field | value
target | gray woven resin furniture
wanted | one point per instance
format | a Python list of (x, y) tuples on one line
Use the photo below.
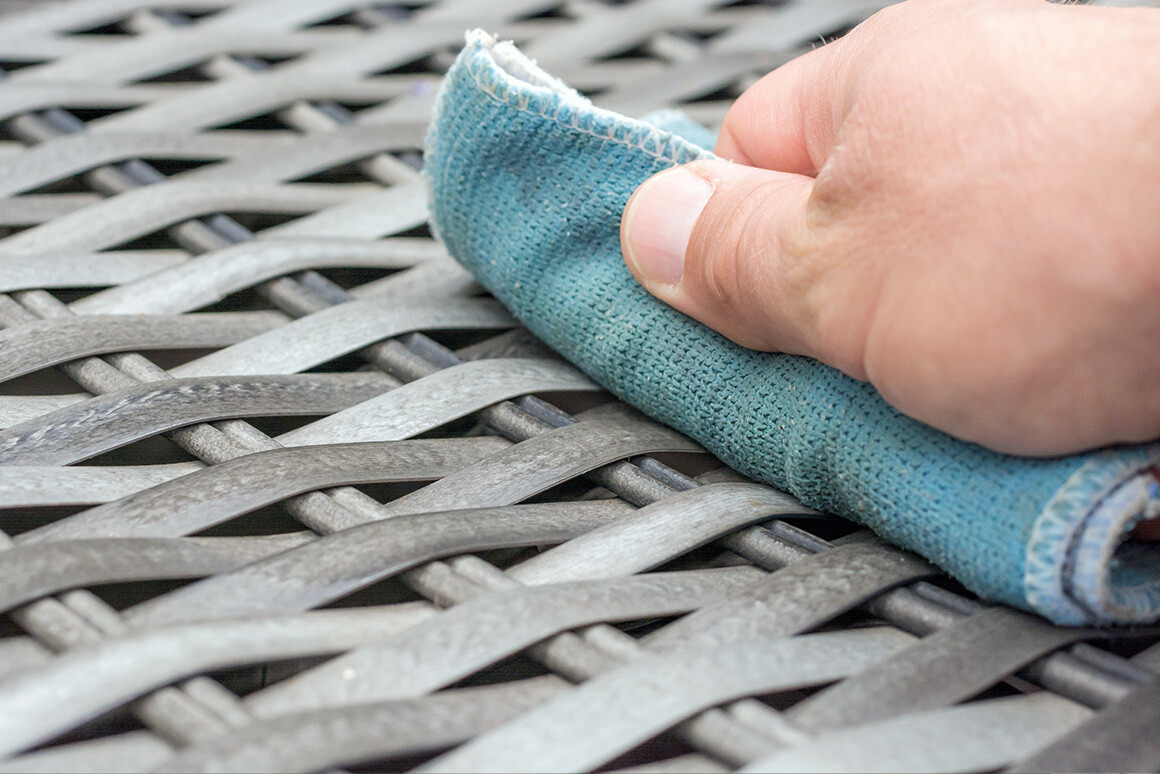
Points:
[(282, 490)]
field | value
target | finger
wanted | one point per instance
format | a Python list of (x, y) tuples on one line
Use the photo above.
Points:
[(723, 243), (787, 121)]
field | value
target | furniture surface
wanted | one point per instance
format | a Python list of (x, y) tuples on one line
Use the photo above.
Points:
[(281, 489)]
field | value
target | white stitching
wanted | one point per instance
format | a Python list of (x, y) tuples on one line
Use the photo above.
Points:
[(535, 105)]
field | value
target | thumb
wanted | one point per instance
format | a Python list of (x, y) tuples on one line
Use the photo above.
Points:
[(732, 247)]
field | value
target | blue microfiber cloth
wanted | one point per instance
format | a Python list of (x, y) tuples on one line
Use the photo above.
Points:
[(528, 180)]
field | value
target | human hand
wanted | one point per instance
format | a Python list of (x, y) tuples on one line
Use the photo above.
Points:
[(958, 201)]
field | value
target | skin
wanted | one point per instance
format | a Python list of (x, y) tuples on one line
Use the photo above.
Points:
[(958, 201)]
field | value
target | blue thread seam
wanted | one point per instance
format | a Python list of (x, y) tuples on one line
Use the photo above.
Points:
[(1068, 566), (1048, 585)]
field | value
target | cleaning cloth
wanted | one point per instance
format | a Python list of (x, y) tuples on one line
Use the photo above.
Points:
[(528, 181)]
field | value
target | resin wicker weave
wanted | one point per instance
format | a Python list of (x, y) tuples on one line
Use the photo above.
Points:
[(283, 491)]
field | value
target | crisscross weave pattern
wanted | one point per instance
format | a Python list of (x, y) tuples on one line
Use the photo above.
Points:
[(283, 490)]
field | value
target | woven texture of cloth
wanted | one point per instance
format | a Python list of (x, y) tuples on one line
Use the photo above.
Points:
[(528, 182)]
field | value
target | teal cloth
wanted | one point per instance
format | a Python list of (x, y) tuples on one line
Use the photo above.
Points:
[(528, 181)]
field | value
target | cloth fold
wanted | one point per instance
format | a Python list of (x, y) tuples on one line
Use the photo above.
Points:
[(527, 182)]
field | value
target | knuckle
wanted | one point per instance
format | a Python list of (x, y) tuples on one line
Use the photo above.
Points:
[(830, 265), (719, 283), (838, 185), (728, 249)]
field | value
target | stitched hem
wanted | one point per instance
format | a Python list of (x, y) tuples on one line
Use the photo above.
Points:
[(1073, 573), (505, 74)]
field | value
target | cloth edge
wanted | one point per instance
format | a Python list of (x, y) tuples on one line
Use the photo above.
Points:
[(1068, 574)]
